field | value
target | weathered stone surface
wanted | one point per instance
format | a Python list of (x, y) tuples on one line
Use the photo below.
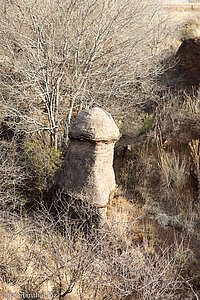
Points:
[(94, 124), (188, 56), (87, 171)]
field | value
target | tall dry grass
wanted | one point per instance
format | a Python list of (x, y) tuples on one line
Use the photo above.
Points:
[(36, 258)]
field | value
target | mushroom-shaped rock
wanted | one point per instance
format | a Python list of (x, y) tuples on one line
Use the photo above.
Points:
[(87, 171), (94, 124)]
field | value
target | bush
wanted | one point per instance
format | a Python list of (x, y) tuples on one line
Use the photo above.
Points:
[(41, 161), (12, 175), (37, 258)]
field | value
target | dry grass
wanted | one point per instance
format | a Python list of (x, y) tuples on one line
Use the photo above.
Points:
[(181, 7), (12, 175), (144, 250), (184, 18), (159, 171), (37, 259)]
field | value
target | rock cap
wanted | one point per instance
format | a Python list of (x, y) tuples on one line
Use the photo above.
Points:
[(94, 124)]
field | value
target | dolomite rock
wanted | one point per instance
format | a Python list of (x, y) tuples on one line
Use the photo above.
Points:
[(87, 171)]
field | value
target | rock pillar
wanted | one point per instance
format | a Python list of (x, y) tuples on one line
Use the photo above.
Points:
[(87, 171)]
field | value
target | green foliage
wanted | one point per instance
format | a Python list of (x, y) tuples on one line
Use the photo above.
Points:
[(137, 122), (42, 159), (119, 123), (147, 122)]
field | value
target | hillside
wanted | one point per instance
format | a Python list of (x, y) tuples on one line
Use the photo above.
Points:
[(181, 6), (65, 232)]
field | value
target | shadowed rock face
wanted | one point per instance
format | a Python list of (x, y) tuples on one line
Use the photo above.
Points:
[(87, 171), (188, 55)]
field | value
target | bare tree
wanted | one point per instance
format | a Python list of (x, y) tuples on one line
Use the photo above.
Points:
[(59, 57)]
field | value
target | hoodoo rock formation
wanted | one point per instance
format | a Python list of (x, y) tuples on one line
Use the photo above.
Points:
[(87, 171)]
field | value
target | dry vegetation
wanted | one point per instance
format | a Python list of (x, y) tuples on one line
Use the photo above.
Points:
[(191, 6), (56, 59)]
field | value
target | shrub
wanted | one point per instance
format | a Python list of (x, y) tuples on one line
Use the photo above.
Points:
[(39, 259), (41, 161), (12, 175)]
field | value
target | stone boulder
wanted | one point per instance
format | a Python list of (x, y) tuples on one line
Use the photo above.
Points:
[(87, 171), (188, 56)]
